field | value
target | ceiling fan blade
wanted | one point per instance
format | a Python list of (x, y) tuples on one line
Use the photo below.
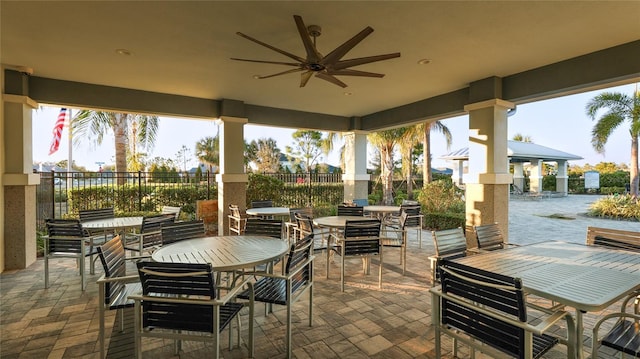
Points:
[(312, 54), (281, 73), (295, 57), (331, 79), (304, 78), (348, 72), (340, 65), (269, 62), (342, 50)]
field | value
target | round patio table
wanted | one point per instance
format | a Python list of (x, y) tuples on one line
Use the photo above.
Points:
[(113, 223), (268, 211), (225, 253), (381, 211)]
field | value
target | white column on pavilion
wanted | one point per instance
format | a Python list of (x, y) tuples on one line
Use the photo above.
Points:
[(562, 178), (355, 177), (488, 178), (518, 175), (535, 176), (232, 180)]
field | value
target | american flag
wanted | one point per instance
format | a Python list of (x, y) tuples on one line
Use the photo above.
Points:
[(57, 131)]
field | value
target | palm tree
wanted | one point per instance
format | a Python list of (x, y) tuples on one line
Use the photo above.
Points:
[(385, 142), (208, 151), (426, 144), (521, 138), (410, 138), (142, 129), (620, 108)]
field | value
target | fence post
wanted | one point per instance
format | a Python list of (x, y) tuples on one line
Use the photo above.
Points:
[(139, 191), (53, 195), (208, 185)]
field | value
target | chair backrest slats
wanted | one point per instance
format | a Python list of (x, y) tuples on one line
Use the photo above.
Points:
[(350, 210), (178, 231), (153, 223), (487, 290), (65, 235), (299, 253), (263, 227), (613, 238), (261, 204), (163, 280), (305, 224), (306, 211), (362, 228), (489, 236), (112, 256), (449, 242), (91, 214)]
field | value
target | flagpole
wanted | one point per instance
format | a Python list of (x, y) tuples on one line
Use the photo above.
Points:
[(70, 151)]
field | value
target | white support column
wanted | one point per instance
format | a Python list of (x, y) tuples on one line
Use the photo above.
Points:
[(355, 178), (535, 177), (562, 178), (518, 175), (488, 178), (232, 180), (18, 183)]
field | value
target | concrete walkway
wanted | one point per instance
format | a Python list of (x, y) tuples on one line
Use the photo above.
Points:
[(529, 220)]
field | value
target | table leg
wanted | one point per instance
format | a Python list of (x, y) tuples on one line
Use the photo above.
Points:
[(579, 331)]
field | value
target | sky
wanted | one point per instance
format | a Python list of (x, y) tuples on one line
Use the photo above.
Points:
[(559, 123)]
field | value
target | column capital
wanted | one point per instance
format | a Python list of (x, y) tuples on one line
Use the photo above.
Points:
[(356, 132), (234, 119), (235, 177), (496, 102), (25, 100)]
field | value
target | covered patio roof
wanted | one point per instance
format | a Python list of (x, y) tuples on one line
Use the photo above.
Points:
[(519, 151)]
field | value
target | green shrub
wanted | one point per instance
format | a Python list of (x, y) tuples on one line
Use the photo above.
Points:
[(616, 206), (612, 190), (440, 221), (264, 188), (441, 196)]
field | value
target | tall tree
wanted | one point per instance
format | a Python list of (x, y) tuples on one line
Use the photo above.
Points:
[(426, 144), (266, 155), (620, 108), (95, 125), (307, 147), (208, 151), (385, 142), (183, 158)]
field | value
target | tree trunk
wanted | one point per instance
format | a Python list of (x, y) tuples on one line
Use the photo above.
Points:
[(410, 175), (120, 137), (426, 146), (386, 166), (633, 172)]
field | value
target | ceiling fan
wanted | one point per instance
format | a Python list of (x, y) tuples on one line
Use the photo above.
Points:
[(324, 67)]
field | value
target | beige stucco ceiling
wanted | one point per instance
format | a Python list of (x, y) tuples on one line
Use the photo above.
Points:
[(184, 48)]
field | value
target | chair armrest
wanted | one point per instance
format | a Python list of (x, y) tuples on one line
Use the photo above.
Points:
[(281, 276), (233, 292), (125, 279)]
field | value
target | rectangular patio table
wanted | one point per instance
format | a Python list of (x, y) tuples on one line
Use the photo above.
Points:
[(586, 278)]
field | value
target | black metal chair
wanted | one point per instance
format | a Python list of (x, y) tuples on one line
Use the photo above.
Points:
[(291, 226), (286, 289), (414, 219), (179, 231), (305, 228), (448, 243), (624, 335), (263, 227), (488, 312), (489, 237), (179, 301), (350, 210), (262, 203), (67, 239), (150, 236), (360, 238), (92, 214), (115, 286), (400, 239)]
